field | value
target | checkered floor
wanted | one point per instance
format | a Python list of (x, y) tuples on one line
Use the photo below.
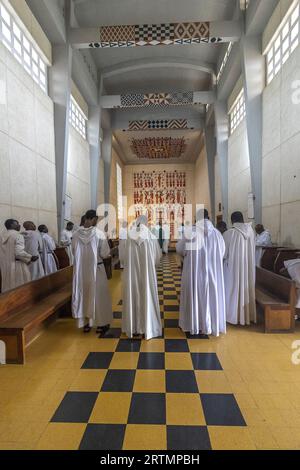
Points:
[(149, 394)]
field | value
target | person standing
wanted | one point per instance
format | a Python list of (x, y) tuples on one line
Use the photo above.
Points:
[(239, 272), (48, 254), (202, 302), (66, 240), (14, 260), (141, 309), (34, 246), (91, 300), (263, 239)]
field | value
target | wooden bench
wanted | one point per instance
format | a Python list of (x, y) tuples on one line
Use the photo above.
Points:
[(268, 258), (284, 254), (26, 311), (276, 296)]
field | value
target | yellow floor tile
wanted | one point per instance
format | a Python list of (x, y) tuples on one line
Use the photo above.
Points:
[(178, 361), (184, 409), (287, 438), (104, 345), (150, 437), (171, 302), (61, 436), (230, 438), (198, 345), (174, 333), (124, 360), (155, 345), (111, 408), (150, 381), (212, 382), (88, 381), (262, 437), (171, 315)]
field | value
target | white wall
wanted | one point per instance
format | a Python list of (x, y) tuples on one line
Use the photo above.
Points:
[(78, 177), (239, 179), (27, 155), (281, 155)]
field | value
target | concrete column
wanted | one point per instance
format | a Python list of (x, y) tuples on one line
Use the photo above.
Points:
[(253, 67), (210, 145), (222, 132), (60, 92)]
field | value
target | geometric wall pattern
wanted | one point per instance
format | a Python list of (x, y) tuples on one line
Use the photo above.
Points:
[(154, 35), (158, 147), (136, 100), (158, 124)]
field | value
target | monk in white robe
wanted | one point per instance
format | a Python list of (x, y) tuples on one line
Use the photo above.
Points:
[(263, 239), (141, 310), (202, 302), (48, 255), (293, 268), (34, 246), (66, 240), (239, 272), (91, 303), (14, 260)]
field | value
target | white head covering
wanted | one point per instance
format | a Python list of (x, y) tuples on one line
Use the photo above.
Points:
[(142, 220)]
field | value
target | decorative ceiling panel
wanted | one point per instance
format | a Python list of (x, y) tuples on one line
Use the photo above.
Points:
[(158, 147), (155, 35)]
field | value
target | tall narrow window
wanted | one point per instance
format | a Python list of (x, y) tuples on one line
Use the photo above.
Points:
[(77, 118), (237, 113), (284, 42), (119, 192), (21, 46)]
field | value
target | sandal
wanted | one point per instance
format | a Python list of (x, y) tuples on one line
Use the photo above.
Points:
[(87, 329)]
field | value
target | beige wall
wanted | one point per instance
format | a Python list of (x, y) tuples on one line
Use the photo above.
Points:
[(27, 153), (78, 177)]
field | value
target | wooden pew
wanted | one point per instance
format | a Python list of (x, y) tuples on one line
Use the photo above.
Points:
[(284, 254), (27, 310), (268, 258), (62, 257), (276, 296)]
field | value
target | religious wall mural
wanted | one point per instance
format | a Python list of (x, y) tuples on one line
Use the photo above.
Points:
[(163, 194)]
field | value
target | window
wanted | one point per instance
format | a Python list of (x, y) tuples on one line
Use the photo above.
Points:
[(238, 112), (224, 61), (284, 42), (119, 192), (78, 118), (22, 48)]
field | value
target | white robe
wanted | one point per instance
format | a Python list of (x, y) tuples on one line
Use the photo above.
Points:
[(48, 254), (14, 260), (293, 267), (264, 239), (34, 246), (202, 302), (91, 297), (166, 238), (141, 309), (122, 245), (239, 274), (66, 241)]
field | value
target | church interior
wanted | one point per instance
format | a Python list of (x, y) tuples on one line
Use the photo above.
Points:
[(125, 107)]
